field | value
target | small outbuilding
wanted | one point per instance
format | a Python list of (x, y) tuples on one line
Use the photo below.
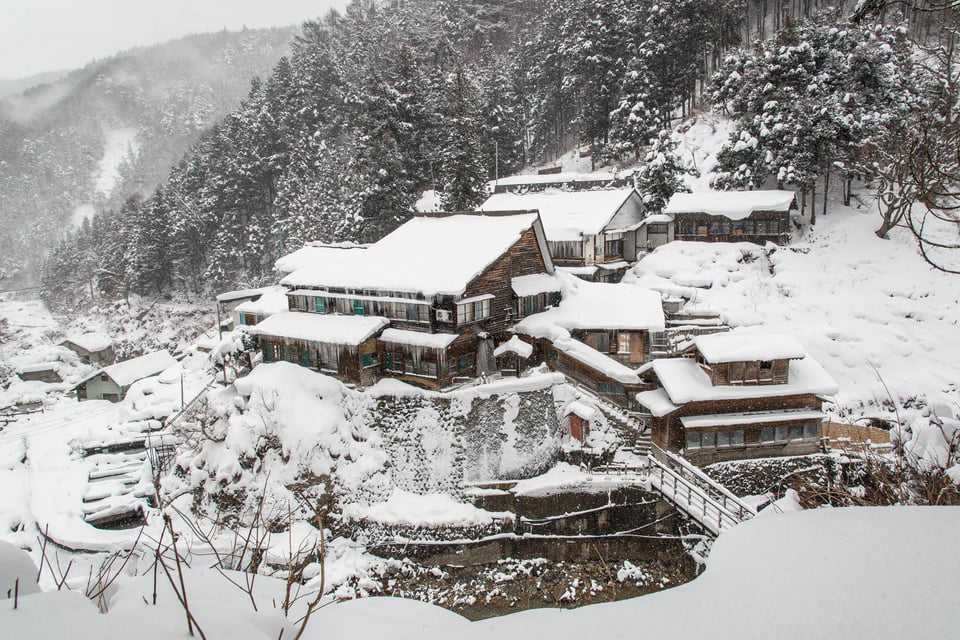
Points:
[(112, 382), (40, 372), (93, 348), (579, 416)]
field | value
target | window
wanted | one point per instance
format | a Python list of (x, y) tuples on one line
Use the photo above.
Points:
[(551, 354), (796, 432), (465, 362), (413, 312), (610, 388), (473, 311), (714, 439), (603, 342), (702, 230), (393, 362), (366, 360), (358, 308), (708, 439), (328, 357), (104, 377), (623, 342), (319, 305), (781, 434), (531, 305), (287, 353), (304, 357), (613, 247), (657, 228), (766, 435), (811, 431), (297, 303), (693, 440)]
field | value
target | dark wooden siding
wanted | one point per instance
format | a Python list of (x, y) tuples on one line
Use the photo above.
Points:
[(349, 365), (668, 432), (751, 372), (522, 259), (776, 225)]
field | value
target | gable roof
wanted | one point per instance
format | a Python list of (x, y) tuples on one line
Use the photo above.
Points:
[(566, 215), (127, 372), (429, 255), (92, 342), (735, 205), (598, 305)]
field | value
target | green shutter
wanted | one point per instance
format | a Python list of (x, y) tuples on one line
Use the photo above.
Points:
[(358, 307), (304, 357), (267, 352), (366, 360), (388, 361), (319, 305)]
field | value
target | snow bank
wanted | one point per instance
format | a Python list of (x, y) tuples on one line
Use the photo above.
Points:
[(431, 510)]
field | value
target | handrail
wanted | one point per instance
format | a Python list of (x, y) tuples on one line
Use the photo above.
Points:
[(169, 421)]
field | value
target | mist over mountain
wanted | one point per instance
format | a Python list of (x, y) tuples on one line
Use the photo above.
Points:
[(85, 140)]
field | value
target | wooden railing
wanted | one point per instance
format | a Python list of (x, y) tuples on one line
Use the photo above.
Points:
[(695, 493)]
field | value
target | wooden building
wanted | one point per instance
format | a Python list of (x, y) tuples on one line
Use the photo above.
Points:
[(92, 348), (343, 346), (741, 395), (583, 228), (566, 181), (443, 283), (40, 372), (732, 216), (112, 382)]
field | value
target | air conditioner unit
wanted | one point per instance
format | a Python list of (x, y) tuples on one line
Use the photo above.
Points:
[(443, 315)]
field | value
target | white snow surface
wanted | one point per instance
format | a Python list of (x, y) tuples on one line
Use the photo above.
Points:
[(149, 364), (550, 178), (314, 253), (427, 255), (418, 338), (514, 345), (580, 409), (684, 381), (535, 283), (119, 143), (319, 327), (92, 342), (734, 346), (597, 305), (566, 215), (428, 510), (272, 300), (735, 205)]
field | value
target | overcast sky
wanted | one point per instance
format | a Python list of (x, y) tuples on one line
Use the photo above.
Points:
[(47, 35)]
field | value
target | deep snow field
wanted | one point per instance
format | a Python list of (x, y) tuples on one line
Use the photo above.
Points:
[(880, 320)]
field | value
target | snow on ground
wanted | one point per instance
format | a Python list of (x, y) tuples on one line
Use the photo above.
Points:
[(119, 142), (887, 568), (871, 311)]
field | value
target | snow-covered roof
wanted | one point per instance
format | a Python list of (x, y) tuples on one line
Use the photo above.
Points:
[(92, 342), (735, 205), (736, 346), (428, 255), (129, 371), (551, 178), (272, 300), (599, 305), (418, 338), (239, 294), (747, 418), (657, 402), (535, 284), (314, 252), (515, 345), (566, 215), (684, 381), (316, 327), (601, 362), (580, 409), (38, 367)]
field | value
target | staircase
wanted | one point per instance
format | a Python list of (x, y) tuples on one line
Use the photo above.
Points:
[(630, 426)]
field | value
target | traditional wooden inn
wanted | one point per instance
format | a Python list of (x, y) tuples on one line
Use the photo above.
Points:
[(426, 304), (732, 216), (740, 395), (598, 335), (567, 181), (112, 383), (591, 231)]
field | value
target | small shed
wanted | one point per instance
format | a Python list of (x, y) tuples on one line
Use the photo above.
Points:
[(93, 348), (112, 383), (579, 416), (40, 372), (512, 355)]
